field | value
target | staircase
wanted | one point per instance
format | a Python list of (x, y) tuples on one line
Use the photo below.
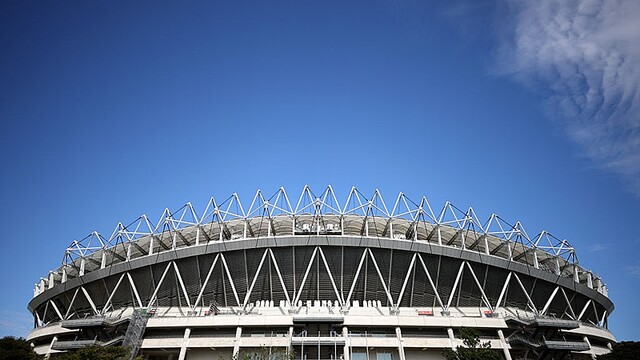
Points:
[(135, 331)]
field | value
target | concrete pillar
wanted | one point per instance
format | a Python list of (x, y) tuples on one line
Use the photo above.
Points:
[(452, 338), (347, 343), (236, 345), (400, 345), (290, 340), (505, 346), (185, 344)]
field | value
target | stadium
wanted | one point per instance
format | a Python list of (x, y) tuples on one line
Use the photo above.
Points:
[(310, 277)]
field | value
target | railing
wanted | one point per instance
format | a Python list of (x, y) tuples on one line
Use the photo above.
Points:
[(164, 336), (259, 334), (216, 335), (418, 335), (373, 335), (319, 334)]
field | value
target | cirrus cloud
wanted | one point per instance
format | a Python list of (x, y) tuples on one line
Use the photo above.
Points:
[(584, 56)]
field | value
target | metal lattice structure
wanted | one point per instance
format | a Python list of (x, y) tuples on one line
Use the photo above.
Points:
[(278, 253)]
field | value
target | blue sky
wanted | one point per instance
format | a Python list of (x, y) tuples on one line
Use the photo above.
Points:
[(526, 109)]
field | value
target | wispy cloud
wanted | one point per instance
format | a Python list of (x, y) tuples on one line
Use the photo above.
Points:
[(597, 247), (634, 270), (583, 55)]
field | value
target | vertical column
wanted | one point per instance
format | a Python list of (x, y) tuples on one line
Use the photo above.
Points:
[(486, 244), (400, 345), (244, 229), (347, 343), (452, 338), (289, 348), (185, 344), (505, 346), (236, 345), (51, 280)]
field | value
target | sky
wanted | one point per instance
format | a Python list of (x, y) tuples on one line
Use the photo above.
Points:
[(526, 109)]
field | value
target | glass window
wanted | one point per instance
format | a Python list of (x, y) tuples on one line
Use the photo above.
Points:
[(384, 356), (359, 356)]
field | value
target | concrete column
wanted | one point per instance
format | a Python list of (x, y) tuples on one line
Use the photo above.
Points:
[(452, 338), (185, 344), (236, 345), (400, 345), (347, 343), (505, 346), (51, 280), (290, 340)]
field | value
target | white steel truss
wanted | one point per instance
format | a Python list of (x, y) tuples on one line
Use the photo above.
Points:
[(269, 217), (321, 214)]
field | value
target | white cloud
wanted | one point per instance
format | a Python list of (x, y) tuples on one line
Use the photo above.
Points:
[(584, 55), (597, 247), (634, 270)]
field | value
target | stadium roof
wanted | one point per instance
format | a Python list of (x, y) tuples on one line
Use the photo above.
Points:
[(322, 214)]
